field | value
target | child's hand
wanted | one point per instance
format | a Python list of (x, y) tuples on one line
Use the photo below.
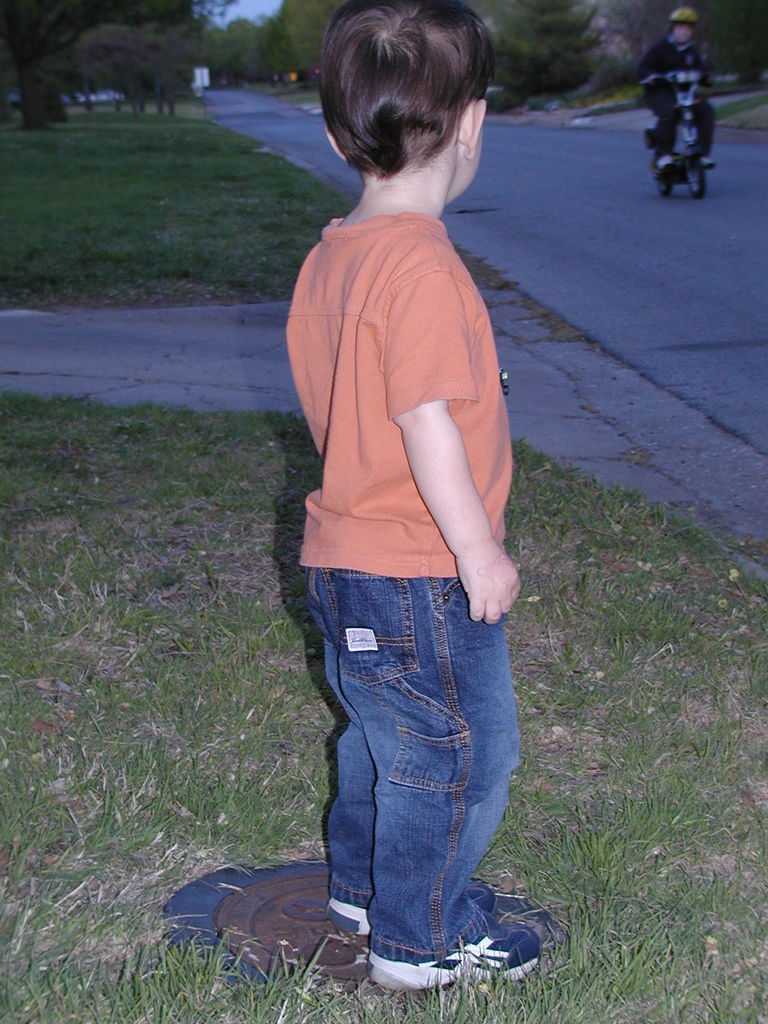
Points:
[(438, 461), (490, 579)]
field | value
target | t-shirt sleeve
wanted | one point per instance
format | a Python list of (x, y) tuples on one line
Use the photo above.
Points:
[(427, 349)]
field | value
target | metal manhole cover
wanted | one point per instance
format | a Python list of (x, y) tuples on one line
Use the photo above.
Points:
[(264, 919)]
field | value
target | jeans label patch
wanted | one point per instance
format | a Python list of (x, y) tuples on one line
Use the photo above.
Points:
[(361, 640)]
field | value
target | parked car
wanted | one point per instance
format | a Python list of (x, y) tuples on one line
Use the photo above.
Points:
[(100, 96)]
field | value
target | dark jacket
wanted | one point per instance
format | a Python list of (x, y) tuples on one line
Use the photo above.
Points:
[(666, 56)]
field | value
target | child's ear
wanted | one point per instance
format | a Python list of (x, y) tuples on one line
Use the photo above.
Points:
[(334, 145), (470, 127)]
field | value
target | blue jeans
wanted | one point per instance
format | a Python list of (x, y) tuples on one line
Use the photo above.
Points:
[(425, 760)]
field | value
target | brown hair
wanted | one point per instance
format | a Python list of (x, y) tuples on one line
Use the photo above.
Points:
[(396, 76)]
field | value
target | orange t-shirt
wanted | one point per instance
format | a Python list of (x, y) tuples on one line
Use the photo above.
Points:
[(384, 318)]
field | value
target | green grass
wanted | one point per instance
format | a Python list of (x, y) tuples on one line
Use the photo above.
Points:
[(740, 113), (105, 210), (747, 113), (299, 94), (163, 713)]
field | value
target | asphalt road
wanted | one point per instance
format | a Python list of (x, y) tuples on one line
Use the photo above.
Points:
[(675, 288)]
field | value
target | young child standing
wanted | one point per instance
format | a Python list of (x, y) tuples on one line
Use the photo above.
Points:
[(395, 365)]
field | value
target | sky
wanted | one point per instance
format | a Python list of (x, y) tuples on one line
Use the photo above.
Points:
[(252, 9)]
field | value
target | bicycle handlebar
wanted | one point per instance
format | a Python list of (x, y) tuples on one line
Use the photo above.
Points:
[(675, 77)]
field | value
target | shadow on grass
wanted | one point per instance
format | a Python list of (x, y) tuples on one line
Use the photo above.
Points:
[(303, 471)]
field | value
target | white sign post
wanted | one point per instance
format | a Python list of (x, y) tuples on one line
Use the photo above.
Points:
[(201, 81)]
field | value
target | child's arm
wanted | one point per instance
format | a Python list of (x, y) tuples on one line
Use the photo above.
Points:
[(438, 461)]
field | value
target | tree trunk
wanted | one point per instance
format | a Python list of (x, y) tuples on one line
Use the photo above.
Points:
[(169, 90), (751, 76), (87, 98), (33, 112), (159, 94)]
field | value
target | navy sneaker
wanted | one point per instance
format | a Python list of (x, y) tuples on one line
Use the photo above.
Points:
[(511, 950), (354, 919), (348, 917)]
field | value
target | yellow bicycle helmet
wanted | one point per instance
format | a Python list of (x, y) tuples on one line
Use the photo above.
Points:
[(683, 16)]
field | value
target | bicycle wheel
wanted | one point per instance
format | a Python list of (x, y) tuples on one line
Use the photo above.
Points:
[(697, 181)]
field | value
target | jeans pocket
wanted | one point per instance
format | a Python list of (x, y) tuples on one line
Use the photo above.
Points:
[(439, 764), (433, 750), (375, 626)]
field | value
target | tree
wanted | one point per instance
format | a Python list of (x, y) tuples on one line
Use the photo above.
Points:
[(118, 56), (493, 12), (305, 22), (6, 80), (35, 30), (135, 60), (170, 51), (544, 46), (740, 32), (279, 52), (235, 53)]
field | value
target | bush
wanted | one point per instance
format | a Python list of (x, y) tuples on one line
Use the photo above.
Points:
[(498, 101), (544, 46), (613, 72)]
